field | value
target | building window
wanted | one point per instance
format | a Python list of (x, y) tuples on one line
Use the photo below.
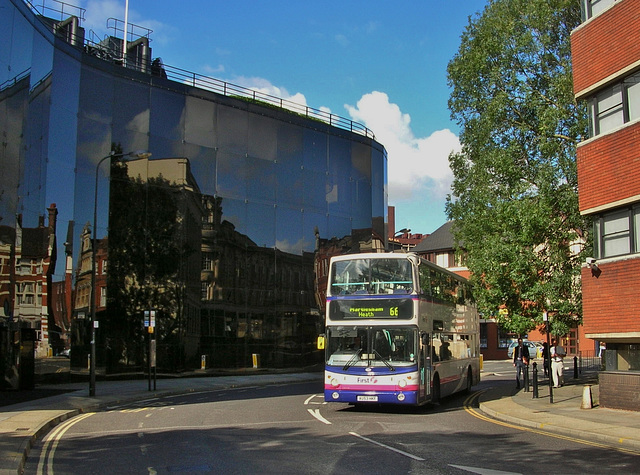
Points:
[(25, 267), (207, 261), (616, 232), (442, 259), (204, 291), (103, 296), (25, 293), (606, 111), (591, 8), (615, 105)]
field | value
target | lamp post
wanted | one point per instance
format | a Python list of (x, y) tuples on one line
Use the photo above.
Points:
[(92, 360), (545, 318)]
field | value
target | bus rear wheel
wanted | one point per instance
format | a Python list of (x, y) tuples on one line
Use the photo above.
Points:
[(435, 392), (469, 380)]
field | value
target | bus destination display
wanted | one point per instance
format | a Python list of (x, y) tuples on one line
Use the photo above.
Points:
[(402, 309)]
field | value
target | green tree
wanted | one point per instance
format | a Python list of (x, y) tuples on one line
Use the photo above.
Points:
[(514, 197)]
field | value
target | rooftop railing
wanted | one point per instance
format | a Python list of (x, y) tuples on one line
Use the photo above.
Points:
[(229, 89), (110, 49)]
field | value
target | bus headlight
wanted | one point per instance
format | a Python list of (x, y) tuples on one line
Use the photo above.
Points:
[(335, 395), (402, 383), (401, 397), (335, 383)]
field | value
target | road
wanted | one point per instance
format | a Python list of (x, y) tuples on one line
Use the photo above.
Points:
[(289, 429)]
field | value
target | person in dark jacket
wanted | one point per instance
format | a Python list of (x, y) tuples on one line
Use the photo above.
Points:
[(545, 359), (520, 360)]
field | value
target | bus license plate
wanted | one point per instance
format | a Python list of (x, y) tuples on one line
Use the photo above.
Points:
[(367, 398)]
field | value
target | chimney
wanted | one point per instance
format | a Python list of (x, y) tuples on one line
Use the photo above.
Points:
[(53, 218)]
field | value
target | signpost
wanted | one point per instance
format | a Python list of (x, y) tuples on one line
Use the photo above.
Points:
[(150, 325)]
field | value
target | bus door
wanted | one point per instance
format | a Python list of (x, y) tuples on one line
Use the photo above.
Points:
[(424, 363)]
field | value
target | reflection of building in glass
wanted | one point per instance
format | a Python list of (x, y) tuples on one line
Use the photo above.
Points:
[(222, 241), (260, 295), (154, 258), (35, 259), (62, 304)]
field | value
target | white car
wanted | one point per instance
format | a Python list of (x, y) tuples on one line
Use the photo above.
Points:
[(535, 349)]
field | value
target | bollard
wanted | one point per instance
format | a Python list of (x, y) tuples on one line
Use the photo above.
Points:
[(525, 376), (535, 380), (587, 402), (575, 367)]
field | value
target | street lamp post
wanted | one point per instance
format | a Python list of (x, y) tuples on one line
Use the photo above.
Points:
[(92, 360), (545, 318)]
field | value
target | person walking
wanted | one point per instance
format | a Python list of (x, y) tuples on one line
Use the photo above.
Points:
[(520, 360), (545, 358), (557, 363)]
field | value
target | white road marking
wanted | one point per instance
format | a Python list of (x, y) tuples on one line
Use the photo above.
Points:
[(406, 454), (483, 471), (316, 413)]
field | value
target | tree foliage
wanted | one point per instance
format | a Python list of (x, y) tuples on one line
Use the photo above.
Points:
[(514, 196)]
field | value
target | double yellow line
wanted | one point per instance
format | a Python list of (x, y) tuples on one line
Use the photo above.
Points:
[(50, 443), (472, 399)]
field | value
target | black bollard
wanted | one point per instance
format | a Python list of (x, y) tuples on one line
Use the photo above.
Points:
[(575, 367), (526, 378), (535, 380)]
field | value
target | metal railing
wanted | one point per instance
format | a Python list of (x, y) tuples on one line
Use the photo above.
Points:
[(233, 90), (107, 49), (62, 9), (15, 80)]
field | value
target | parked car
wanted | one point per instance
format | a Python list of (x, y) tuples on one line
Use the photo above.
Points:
[(535, 348), (66, 353)]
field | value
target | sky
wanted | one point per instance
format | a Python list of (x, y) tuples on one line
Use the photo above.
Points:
[(378, 62)]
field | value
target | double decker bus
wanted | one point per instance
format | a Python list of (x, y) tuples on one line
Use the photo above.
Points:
[(399, 330)]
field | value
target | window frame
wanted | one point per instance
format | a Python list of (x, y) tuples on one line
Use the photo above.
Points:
[(597, 116), (586, 7), (631, 233)]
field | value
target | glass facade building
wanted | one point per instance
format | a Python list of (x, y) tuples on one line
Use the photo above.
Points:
[(217, 234)]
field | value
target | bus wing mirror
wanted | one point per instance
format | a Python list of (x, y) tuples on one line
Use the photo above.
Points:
[(320, 342)]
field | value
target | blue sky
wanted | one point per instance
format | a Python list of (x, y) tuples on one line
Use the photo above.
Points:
[(377, 62)]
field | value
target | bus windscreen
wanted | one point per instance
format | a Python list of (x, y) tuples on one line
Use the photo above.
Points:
[(371, 277)]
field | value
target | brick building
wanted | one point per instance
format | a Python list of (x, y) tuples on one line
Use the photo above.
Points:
[(606, 73)]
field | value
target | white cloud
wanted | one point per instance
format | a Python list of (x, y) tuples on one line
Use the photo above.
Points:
[(98, 11), (264, 86), (296, 102), (341, 39), (418, 166), (213, 70)]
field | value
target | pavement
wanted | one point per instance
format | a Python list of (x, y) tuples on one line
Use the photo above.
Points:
[(23, 423), (574, 412)]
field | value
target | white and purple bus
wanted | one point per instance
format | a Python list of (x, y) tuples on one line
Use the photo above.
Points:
[(399, 330)]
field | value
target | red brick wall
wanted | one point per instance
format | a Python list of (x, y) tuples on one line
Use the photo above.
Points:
[(610, 301), (609, 168), (606, 44)]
